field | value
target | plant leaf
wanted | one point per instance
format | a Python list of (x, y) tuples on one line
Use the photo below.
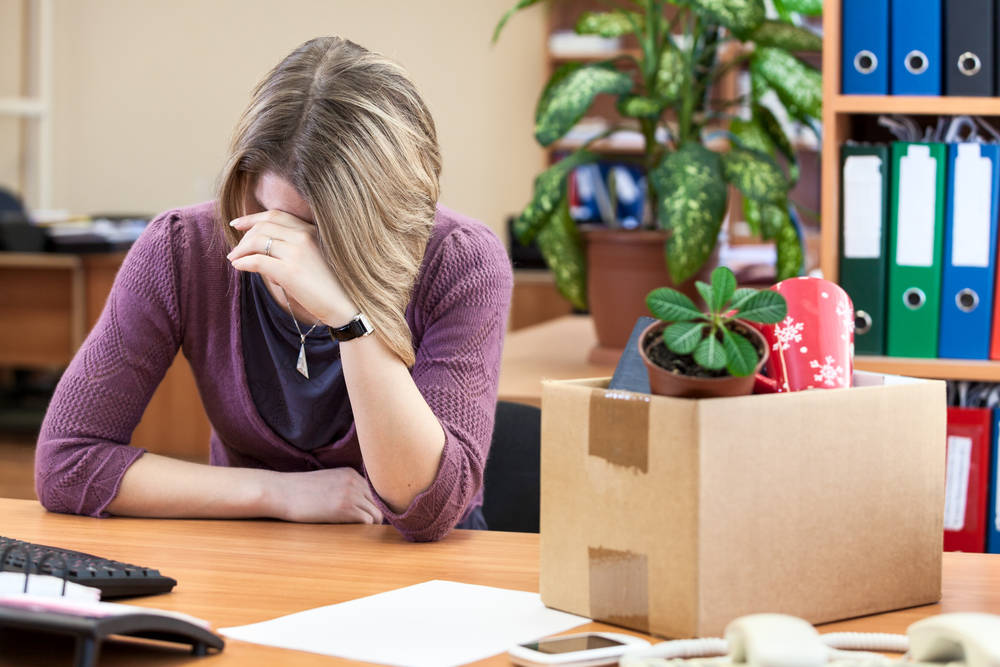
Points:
[(683, 337), (723, 287), (752, 135), (789, 251), (670, 305), (755, 174), (523, 4), (806, 7), (764, 307), (772, 218), (766, 119), (710, 354), (670, 76), (692, 197), (740, 297), (751, 211), (705, 290), (550, 188), (786, 36), (798, 85), (741, 355), (740, 16), (566, 100), (637, 106), (561, 246), (609, 24)]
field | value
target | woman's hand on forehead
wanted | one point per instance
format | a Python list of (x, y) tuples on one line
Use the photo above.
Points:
[(284, 249)]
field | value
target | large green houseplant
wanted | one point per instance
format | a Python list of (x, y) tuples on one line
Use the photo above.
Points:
[(668, 85)]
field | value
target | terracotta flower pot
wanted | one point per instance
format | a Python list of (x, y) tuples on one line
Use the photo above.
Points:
[(668, 383), (623, 266)]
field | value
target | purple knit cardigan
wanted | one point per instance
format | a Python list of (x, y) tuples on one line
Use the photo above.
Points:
[(175, 290)]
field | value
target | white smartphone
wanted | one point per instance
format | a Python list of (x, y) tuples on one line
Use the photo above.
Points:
[(587, 649)]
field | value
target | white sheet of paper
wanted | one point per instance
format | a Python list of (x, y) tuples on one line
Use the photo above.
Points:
[(433, 624), (916, 210)]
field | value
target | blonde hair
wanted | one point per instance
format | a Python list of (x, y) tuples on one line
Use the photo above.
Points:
[(347, 128)]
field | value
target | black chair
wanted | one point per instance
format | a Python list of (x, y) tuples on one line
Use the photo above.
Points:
[(511, 479)]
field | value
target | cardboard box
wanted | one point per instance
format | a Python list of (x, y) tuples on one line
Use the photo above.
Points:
[(676, 516)]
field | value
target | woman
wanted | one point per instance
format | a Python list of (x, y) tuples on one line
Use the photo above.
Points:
[(326, 227)]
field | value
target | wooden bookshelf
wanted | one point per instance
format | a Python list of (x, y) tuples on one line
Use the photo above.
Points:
[(837, 112)]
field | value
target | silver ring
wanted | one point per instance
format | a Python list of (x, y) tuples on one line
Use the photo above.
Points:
[(267, 246)]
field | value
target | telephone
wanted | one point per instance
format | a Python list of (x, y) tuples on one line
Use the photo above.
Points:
[(776, 640)]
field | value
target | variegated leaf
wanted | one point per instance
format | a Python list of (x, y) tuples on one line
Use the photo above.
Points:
[(561, 246), (751, 135), (691, 203), (763, 116), (755, 174), (789, 248), (740, 16), (799, 86), (564, 102), (550, 189), (638, 106), (786, 36), (670, 76), (609, 24), (752, 215), (523, 4), (806, 7), (772, 218), (741, 355)]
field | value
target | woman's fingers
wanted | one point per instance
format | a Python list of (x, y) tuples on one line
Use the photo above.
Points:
[(274, 217)]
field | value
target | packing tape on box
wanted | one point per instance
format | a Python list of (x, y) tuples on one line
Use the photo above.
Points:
[(619, 588), (619, 428), (619, 580)]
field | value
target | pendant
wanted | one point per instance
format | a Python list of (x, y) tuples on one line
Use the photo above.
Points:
[(301, 366)]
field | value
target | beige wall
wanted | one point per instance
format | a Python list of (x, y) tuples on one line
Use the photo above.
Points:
[(148, 91)]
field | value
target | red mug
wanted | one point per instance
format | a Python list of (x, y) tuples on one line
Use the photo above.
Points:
[(813, 347)]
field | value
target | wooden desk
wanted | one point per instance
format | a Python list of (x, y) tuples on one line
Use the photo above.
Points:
[(238, 572), (50, 301), (553, 350)]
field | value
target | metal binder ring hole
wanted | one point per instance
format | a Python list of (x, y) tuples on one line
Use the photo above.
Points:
[(914, 297), (862, 322), (916, 62), (969, 64), (967, 300), (865, 62)]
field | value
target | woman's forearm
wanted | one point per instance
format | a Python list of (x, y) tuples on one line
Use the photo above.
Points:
[(157, 486), (401, 439)]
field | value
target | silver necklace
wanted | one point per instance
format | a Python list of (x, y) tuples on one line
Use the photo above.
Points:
[(301, 366)]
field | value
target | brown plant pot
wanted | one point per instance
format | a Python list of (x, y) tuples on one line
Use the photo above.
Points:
[(668, 383), (623, 266)]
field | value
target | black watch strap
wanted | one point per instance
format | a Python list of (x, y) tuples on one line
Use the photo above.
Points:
[(356, 328)]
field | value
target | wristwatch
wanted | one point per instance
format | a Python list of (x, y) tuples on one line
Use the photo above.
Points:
[(356, 328)]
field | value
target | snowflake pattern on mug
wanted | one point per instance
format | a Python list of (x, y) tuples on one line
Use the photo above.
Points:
[(846, 315), (786, 333), (827, 372)]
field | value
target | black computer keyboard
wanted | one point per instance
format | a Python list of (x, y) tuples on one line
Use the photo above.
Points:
[(115, 579)]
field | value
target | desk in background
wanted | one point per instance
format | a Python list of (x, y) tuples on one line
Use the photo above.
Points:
[(553, 350), (50, 301), (238, 572)]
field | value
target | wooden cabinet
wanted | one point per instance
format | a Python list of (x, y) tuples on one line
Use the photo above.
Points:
[(838, 111), (50, 301)]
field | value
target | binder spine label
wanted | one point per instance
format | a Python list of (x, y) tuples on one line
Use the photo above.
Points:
[(972, 203), (863, 207), (916, 211), (957, 485)]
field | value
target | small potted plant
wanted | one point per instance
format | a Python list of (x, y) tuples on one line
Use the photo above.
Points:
[(696, 354)]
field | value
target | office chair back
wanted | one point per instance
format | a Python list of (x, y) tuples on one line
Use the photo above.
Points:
[(511, 484)]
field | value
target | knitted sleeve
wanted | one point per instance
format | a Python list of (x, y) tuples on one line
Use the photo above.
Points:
[(83, 449), (464, 298)]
